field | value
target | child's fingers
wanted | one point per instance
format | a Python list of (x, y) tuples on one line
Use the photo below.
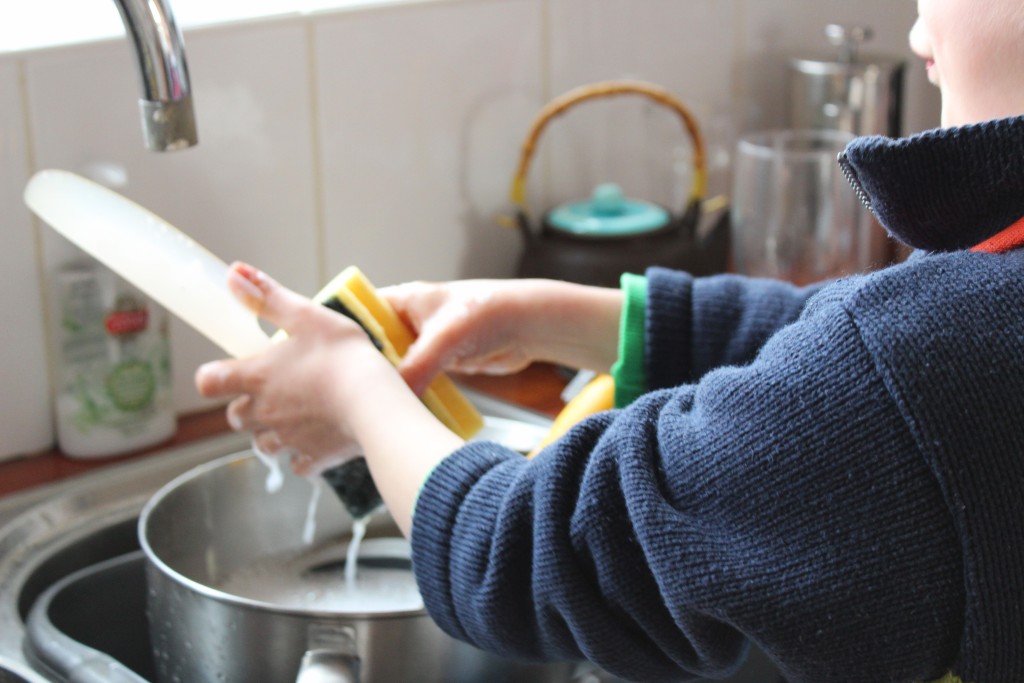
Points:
[(238, 414), (266, 297), (439, 344), (221, 378), (269, 442), (417, 370), (408, 298)]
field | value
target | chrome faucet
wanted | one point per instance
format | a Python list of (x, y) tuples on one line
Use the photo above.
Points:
[(168, 121)]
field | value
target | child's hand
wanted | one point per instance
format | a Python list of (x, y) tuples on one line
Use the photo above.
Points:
[(471, 326), (294, 396), (501, 326)]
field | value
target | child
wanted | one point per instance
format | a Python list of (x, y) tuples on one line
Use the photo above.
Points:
[(835, 473)]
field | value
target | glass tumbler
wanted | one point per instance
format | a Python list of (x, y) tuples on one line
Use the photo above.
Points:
[(794, 215)]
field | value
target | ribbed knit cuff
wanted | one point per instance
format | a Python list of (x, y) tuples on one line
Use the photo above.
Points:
[(437, 509), (629, 371)]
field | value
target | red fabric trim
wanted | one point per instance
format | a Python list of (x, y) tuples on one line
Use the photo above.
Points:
[(1006, 240)]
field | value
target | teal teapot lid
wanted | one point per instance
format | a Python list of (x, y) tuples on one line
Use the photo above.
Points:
[(608, 214)]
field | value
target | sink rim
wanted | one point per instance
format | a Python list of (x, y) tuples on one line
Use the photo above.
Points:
[(40, 522)]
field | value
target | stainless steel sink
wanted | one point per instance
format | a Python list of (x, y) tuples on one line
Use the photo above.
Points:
[(51, 534), (9, 674), (51, 531)]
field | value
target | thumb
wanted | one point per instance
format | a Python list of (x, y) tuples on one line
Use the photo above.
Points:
[(421, 364), (264, 296), (439, 346)]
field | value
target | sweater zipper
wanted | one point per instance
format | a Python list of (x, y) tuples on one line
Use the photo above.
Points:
[(851, 176)]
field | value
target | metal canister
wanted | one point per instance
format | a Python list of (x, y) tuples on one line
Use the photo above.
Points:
[(850, 90), (855, 92)]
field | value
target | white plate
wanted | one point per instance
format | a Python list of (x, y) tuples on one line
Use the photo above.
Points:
[(166, 264)]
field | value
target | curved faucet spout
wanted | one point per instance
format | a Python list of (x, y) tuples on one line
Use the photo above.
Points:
[(168, 120)]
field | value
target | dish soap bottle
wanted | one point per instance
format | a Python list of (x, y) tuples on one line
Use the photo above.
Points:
[(113, 380)]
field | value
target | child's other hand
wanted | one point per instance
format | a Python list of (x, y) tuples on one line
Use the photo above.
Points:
[(294, 396), (501, 326), (470, 326)]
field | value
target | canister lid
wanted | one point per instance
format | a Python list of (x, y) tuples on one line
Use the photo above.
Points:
[(608, 214)]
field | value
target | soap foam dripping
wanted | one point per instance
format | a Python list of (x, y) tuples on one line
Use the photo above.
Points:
[(275, 478), (352, 554), (309, 528)]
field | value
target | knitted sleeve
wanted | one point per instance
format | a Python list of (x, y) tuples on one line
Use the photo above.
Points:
[(782, 502), (697, 324)]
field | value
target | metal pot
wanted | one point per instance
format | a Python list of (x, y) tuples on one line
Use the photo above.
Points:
[(595, 241), (211, 522)]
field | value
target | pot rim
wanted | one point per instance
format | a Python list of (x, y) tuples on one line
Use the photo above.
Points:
[(229, 598)]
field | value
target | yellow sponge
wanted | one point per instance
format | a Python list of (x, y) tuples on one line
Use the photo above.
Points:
[(352, 294)]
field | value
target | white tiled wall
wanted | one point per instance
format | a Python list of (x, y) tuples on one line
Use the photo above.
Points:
[(420, 110), (25, 407), (387, 137)]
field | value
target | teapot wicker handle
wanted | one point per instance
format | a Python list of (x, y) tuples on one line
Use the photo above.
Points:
[(583, 93)]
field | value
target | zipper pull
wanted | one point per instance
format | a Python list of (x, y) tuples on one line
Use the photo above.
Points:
[(851, 177)]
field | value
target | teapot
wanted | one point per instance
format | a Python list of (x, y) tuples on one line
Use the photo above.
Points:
[(594, 241)]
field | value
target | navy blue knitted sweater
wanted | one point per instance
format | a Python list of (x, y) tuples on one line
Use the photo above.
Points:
[(835, 473)]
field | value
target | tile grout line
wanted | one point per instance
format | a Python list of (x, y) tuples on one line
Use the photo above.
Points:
[(547, 79), (31, 166), (739, 74), (316, 140)]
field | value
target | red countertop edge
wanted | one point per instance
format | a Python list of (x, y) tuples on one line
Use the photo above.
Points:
[(538, 388)]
